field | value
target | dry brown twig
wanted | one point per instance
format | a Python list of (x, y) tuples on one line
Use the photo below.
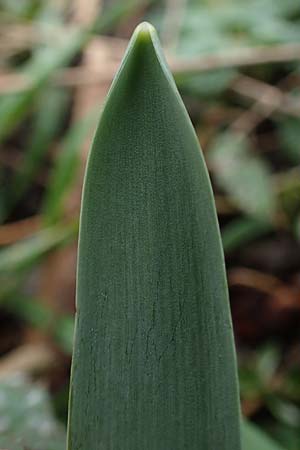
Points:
[(12, 232), (267, 100), (97, 62), (253, 279), (16, 37), (247, 56), (27, 359), (285, 295), (243, 57)]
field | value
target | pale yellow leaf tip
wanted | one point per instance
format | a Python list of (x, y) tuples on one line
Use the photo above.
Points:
[(144, 32)]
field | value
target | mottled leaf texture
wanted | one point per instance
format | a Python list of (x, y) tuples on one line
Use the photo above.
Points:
[(154, 362)]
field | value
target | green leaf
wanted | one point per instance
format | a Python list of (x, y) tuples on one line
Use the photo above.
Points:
[(297, 228), (154, 361), (40, 316), (48, 119), (241, 231), (47, 60), (205, 85), (235, 24), (284, 411), (289, 133), (13, 107), (23, 254), (255, 439), (267, 363), (288, 436), (27, 420), (66, 167), (244, 175)]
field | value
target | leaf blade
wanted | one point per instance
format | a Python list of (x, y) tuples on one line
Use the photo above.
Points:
[(154, 349)]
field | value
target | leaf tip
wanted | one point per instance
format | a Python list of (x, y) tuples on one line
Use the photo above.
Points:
[(144, 32)]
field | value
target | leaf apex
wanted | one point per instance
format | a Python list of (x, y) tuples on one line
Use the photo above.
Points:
[(144, 32)]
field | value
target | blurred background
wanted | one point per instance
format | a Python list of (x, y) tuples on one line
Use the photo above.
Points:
[(237, 66)]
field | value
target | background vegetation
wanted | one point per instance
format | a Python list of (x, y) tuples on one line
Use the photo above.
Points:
[(236, 63)]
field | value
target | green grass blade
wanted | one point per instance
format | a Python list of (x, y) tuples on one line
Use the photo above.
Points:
[(154, 362), (244, 175), (40, 316), (241, 231), (48, 120), (66, 167), (22, 255), (45, 62), (17, 259), (255, 439)]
